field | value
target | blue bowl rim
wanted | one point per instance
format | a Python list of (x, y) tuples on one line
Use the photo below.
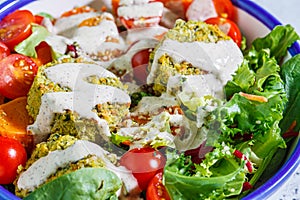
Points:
[(274, 183)]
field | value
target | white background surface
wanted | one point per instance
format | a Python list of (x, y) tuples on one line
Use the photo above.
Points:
[(287, 12)]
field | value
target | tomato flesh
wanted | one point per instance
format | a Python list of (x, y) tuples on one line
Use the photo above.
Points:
[(12, 154), (144, 164), (224, 8), (227, 26), (15, 27), (4, 51), (139, 63), (16, 75), (156, 190)]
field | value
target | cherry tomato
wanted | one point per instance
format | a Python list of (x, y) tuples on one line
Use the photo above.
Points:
[(115, 5), (229, 27), (224, 9), (144, 164), (16, 27), (139, 63), (16, 75), (4, 51), (156, 190), (186, 4), (12, 154)]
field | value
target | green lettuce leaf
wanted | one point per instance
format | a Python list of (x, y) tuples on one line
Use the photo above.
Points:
[(242, 116), (85, 183), (278, 41), (27, 46), (219, 176), (259, 75), (291, 75)]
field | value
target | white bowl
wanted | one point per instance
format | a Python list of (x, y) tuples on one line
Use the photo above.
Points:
[(253, 21)]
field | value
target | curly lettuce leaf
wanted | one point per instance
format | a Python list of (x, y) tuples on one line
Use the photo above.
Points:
[(290, 72), (259, 75), (218, 177), (278, 41), (241, 115)]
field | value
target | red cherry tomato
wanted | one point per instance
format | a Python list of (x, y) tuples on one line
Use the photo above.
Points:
[(144, 164), (4, 51), (186, 4), (15, 27), (139, 63), (224, 8), (115, 5), (16, 75), (12, 154), (229, 27), (156, 190)]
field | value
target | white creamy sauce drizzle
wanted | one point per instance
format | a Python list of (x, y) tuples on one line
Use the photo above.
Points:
[(41, 169), (201, 10), (124, 62), (90, 38), (132, 2), (58, 43), (72, 75), (156, 129), (196, 85), (137, 34), (141, 10), (67, 25), (81, 100), (221, 58), (151, 105)]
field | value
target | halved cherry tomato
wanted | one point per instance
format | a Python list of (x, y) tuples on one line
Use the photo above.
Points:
[(224, 9), (115, 5), (4, 51), (12, 154), (144, 164), (15, 27), (16, 75), (139, 63), (229, 27), (186, 4), (156, 190)]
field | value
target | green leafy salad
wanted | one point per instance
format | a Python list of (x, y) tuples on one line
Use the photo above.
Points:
[(248, 130), (99, 133)]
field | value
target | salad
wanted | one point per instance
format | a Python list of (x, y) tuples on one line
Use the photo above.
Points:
[(143, 100)]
